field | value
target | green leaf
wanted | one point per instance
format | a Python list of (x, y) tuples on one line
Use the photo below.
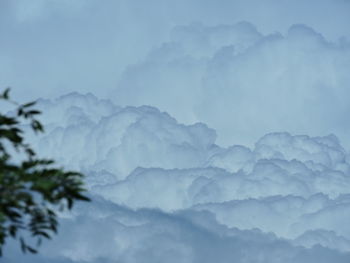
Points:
[(31, 250), (33, 112), (32, 190), (37, 126), (6, 93), (29, 104)]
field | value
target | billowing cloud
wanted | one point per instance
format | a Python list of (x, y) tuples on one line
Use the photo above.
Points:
[(95, 135), (246, 84), (170, 193)]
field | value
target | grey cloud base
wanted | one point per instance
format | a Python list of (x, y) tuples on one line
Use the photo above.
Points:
[(123, 235), (165, 192)]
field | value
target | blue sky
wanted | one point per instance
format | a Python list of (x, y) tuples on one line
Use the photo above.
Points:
[(208, 130)]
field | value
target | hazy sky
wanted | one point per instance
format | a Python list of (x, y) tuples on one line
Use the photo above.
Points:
[(209, 130), (55, 46)]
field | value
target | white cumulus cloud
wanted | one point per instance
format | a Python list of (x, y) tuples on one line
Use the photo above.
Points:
[(246, 84), (164, 191)]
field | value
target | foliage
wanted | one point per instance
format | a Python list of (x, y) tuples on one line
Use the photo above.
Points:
[(32, 191)]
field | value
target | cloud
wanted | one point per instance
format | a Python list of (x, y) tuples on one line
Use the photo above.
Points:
[(245, 84), (168, 187), (324, 238), (165, 187), (124, 235), (95, 135)]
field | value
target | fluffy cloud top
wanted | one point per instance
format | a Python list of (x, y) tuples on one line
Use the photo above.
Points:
[(246, 84), (95, 135)]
